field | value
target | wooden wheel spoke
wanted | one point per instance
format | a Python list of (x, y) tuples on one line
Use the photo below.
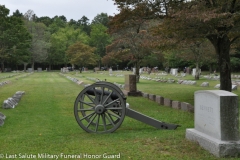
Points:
[(111, 102)]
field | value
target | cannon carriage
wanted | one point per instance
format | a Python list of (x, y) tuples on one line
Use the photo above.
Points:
[(101, 108)]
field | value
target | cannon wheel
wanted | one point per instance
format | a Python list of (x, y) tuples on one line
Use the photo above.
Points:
[(100, 108)]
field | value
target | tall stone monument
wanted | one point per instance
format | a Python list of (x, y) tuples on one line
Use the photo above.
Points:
[(216, 122), (130, 86)]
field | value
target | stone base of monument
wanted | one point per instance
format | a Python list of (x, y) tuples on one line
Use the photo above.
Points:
[(128, 93), (215, 146)]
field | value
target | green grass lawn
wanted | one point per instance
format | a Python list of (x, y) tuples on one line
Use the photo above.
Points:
[(43, 122)]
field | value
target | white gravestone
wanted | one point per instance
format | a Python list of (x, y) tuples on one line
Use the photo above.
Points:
[(134, 70), (216, 122), (140, 71), (194, 71), (174, 71), (110, 71)]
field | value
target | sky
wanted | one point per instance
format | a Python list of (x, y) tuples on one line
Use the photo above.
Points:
[(71, 9)]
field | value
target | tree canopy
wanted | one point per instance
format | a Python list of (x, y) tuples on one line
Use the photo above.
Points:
[(14, 37)]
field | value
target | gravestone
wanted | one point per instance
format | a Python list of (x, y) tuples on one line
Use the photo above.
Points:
[(7, 104), (216, 122), (110, 70), (205, 84), (1, 122), (131, 86), (174, 71), (39, 69), (2, 116), (193, 71), (134, 70), (13, 101), (30, 70), (140, 71)]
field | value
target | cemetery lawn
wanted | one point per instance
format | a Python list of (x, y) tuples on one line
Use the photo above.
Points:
[(43, 122)]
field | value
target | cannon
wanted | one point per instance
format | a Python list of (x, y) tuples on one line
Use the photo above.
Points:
[(101, 108)]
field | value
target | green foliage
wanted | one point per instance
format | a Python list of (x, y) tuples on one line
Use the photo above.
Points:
[(56, 25), (83, 23), (101, 19), (173, 60), (40, 39), (14, 38), (152, 60), (61, 40), (81, 54), (99, 38), (46, 20)]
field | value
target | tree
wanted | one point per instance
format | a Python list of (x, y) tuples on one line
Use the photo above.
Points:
[(101, 19), (45, 20), (56, 25), (81, 54), (40, 39), (14, 37), (17, 13), (61, 40), (83, 23), (99, 38), (216, 20), (197, 51), (129, 29)]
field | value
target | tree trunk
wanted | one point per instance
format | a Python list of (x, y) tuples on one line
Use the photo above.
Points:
[(49, 67), (25, 66), (137, 73), (2, 66), (197, 72), (211, 68), (32, 66), (222, 47)]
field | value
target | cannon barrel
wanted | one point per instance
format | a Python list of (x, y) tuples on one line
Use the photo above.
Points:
[(100, 92)]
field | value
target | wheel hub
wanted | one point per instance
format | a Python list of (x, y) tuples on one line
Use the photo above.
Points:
[(99, 109)]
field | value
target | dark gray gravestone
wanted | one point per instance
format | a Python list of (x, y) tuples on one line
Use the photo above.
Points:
[(7, 105), (2, 116), (131, 86), (1, 122)]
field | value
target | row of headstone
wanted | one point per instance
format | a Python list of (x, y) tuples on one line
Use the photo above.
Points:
[(13, 101), (2, 118), (169, 80), (235, 76), (168, 102), (237, 82), (75, 80), (234, 87), (9, 76), (93, 79), (212, 77), (116, 75), (4, 83), (162, 74), (25, 75), (187, 82), (119, 85)]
